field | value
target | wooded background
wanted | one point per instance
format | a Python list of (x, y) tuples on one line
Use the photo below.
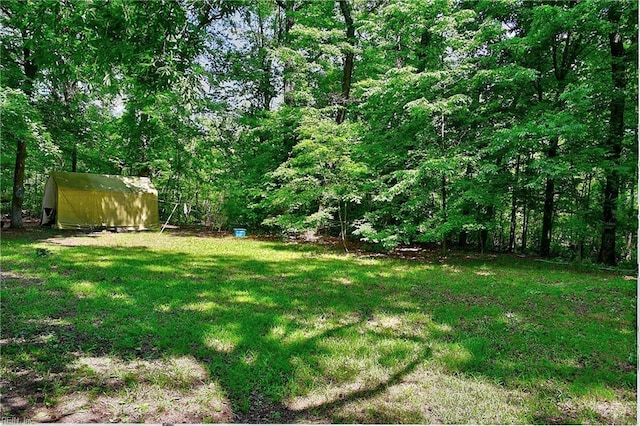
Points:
[(501, 125)]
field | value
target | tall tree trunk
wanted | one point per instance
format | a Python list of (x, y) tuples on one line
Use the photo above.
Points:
[(607, 252), (514, 207), (69, 91), (347, 70), (525, 225), (265, 90), (30, 72), (463, 235), (288, 7), (549, 195), (425, 40), (342, 217), (484, 235), (586, 199), (565, 49), (444, 211), (399, 58), (462, 238), (18, 185), (74, 158), (444, 188), (525, 212), (484, 232)]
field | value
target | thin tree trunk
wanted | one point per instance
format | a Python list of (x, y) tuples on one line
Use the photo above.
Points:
[(587, 199), (607, 252), (525, 226), (343, 225), (444, 190), (514, 208), (444, 211), (463, 235), (500, 241), (68, 94), (288, 8), (629, 244), (484, 233), (266, 89), (144, 168), (549, 195), (399, 58), (74, 158)]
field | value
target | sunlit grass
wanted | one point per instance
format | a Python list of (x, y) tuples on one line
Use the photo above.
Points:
[(148, 327)]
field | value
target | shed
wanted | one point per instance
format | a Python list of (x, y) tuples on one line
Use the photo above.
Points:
[(83, 200)]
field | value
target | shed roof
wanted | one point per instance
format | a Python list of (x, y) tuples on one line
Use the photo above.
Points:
[(103, 183)]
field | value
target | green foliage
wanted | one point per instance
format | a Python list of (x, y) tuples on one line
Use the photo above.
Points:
[(477, 123), (320, 180)]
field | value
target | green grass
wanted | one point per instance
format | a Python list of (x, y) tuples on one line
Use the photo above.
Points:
[(169, 328)]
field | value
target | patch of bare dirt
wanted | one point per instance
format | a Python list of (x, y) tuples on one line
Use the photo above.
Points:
[(14, 278)]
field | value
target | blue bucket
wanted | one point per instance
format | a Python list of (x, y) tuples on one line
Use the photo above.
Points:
[(240, 232)]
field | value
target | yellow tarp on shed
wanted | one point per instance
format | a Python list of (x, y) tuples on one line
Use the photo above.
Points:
[(83, 200)]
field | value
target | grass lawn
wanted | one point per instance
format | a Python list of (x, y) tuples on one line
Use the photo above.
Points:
[(180, 328)]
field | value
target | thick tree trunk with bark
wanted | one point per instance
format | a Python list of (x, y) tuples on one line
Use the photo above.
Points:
[(565, 49), (30, 72), (607, 252), (18, 185)]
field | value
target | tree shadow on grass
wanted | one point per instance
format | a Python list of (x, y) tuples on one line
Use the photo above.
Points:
[(110, 311), (268, 330)]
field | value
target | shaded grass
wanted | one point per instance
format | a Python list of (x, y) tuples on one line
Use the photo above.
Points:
[(203, 329)]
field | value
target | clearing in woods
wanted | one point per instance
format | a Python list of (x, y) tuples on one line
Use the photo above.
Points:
[(185, 328)]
